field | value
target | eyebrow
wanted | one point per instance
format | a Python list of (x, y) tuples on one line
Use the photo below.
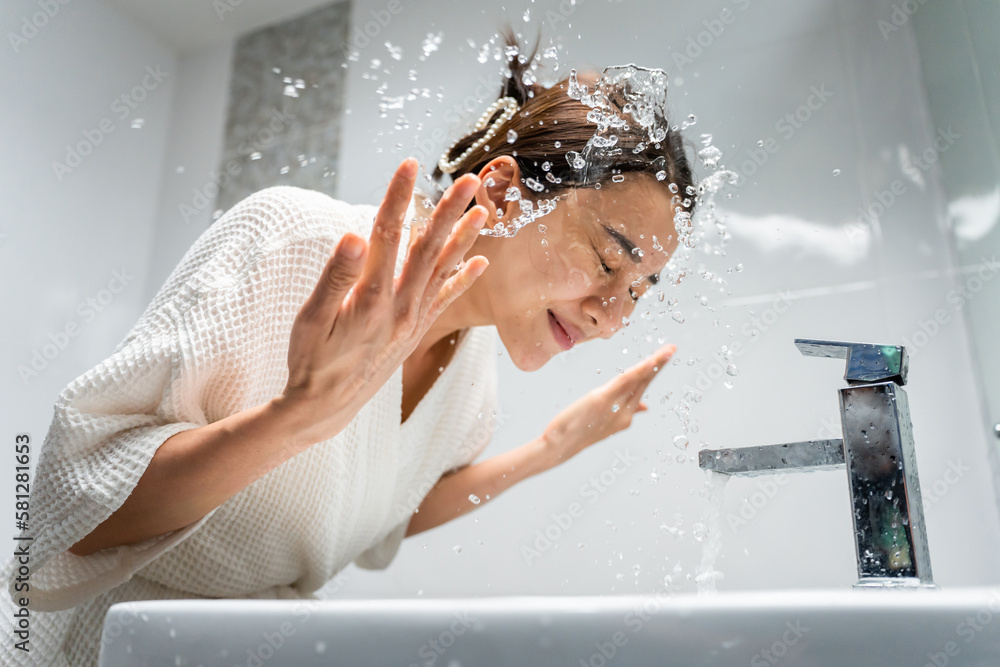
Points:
[(628, 247)]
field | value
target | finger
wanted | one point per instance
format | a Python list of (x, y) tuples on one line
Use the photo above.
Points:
[(378, 272), (457, 284), (636, 379), (341, 272), (663, 355), (651, 367), (425, 252), (646, 370), (458, 244)]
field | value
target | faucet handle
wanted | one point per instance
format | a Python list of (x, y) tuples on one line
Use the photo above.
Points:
[(865, 362)]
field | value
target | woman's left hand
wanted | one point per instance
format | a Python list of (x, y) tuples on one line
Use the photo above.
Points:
[(594, 417)]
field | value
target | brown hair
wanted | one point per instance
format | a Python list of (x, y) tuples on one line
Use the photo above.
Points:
[(550, 124)]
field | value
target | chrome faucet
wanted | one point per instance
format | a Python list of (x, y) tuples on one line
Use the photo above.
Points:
[(878, 452)]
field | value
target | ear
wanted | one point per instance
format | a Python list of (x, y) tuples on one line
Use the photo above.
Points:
[(499, 174)]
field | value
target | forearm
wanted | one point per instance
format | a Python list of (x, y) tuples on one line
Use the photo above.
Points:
[(197, 470), (449, 499)]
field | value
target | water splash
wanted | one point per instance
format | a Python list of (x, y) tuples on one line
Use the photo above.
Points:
[(530, 212), (711, 536)]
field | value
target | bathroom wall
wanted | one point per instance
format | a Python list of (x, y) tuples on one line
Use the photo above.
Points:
[(86, 109), (958, 48), (286, 96), (841, 235), (819, 259)]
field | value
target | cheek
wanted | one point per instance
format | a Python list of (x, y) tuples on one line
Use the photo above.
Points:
[(578, 280), (566, 277)]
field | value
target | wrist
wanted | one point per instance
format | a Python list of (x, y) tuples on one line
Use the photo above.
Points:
[(294, 419), (547, 451)]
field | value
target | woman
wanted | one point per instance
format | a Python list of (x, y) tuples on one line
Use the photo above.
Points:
[(278, 413)]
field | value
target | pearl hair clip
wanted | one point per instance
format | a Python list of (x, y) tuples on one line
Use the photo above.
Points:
[(510, 107)]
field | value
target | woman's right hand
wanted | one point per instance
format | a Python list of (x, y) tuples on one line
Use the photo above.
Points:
[(360, 322)]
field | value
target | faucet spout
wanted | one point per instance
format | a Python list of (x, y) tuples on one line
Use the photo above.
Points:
[(769, 459)]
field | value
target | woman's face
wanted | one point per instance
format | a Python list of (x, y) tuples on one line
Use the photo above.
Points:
[(581, 275)]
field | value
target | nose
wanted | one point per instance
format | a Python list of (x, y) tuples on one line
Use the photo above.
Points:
[(605, 312)]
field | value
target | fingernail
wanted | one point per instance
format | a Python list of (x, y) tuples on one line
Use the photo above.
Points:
[(351, 247)]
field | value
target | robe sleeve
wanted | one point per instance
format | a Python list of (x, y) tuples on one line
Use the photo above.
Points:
[(109, 422)]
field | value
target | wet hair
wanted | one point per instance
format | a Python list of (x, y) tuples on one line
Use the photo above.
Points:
[(550, 115)]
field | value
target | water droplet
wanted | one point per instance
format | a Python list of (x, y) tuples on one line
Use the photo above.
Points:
[(431, 44), (699, 531), (732, 370), (678, 317), (474, 499), (457, 549), (137, 123), (511, 136), (681, 441), (836, 172), (533, 184), (614, 408), (395, 51), (575, 160)]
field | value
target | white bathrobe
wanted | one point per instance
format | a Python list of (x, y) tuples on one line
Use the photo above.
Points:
[(214, 342)]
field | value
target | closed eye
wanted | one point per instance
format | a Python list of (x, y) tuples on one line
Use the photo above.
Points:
[(608, 270)]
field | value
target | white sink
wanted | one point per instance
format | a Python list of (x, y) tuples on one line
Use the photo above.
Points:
[(834, 628)]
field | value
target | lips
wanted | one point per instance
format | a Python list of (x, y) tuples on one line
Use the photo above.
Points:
[(564, 332)]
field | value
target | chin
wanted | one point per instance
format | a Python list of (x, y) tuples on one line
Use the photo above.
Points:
[(531, 362), (527, 357)]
